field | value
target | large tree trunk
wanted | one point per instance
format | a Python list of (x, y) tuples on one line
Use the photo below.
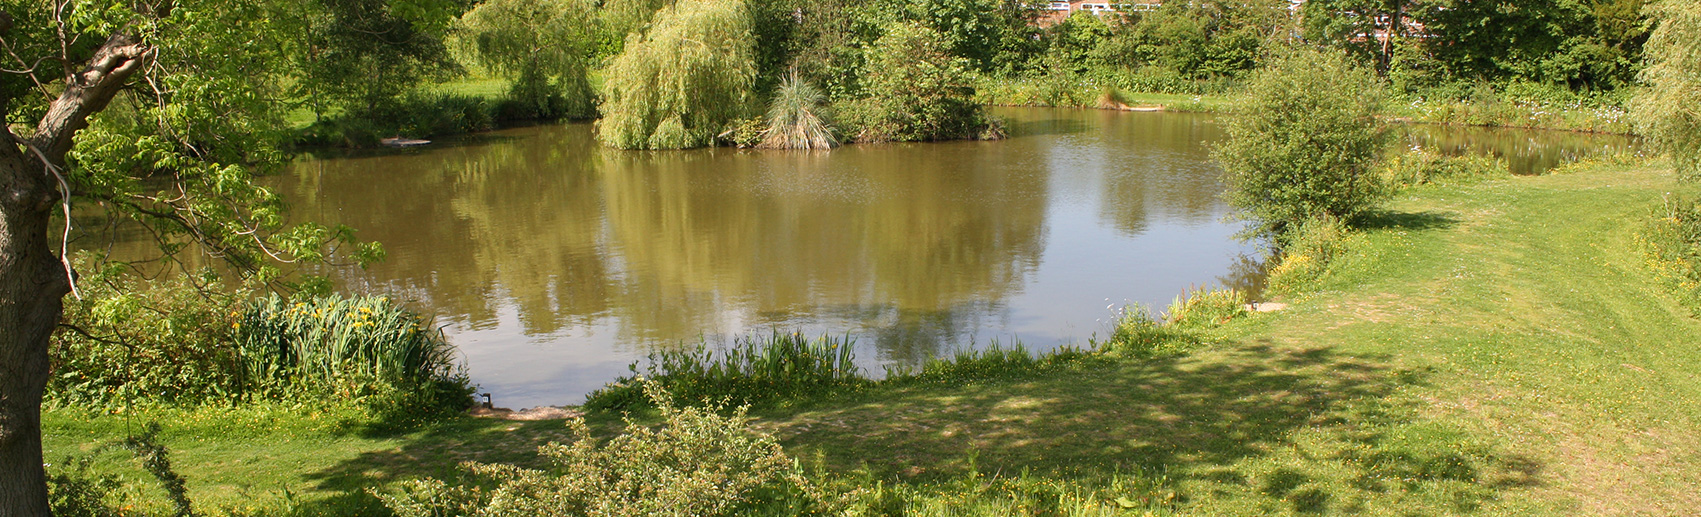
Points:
[(32, 285)]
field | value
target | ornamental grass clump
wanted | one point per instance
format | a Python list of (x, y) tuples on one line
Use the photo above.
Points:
[(795, 118), (782, 366), (697, 462), (682, 82)]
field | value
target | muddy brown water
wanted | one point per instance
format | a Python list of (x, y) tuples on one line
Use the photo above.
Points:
[(553, 263)]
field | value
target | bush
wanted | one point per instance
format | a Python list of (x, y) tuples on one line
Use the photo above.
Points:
[(752, 371), (695, 463), (1305, 143), (681, 83), (916, 91), (1306, 253), (1665, 110), (418, 115), (1672, 241), (1419, 166)]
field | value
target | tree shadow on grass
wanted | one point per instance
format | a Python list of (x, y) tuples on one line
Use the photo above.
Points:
[(1307, 429), (1408, 221)]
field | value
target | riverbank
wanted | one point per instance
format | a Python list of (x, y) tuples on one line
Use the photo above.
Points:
[(1496, 348)]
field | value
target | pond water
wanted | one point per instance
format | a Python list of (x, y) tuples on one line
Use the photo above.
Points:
[(553, 263)]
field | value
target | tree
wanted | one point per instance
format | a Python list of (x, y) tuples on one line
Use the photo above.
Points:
[(155, 112), (680, 84), (1367, 28), (916, 90), (543, 47), (1668, 111), (1305, 143)]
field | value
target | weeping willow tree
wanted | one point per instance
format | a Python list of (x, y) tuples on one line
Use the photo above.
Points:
[(624, 17), (1668, 111), (794, 118), (682, 82), (542, 47)]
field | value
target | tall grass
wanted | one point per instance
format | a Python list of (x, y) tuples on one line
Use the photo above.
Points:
[(1419, 166), (361, 347), (794, 120), (753, 370), (1672, 242)]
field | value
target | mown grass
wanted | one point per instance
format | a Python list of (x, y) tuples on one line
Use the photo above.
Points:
[(1497, 347)]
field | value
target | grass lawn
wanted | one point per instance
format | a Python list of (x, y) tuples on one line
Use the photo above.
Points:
[(1496, 348)]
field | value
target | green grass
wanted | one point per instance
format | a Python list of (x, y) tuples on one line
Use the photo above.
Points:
[(1491, 348)]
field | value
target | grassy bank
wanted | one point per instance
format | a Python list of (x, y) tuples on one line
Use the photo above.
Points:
[(1493, 348)]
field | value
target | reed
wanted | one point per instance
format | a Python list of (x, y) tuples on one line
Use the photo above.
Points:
[(753, 370), (349, 346), (1200, 307)]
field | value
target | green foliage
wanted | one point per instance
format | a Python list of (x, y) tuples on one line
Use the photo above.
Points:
[(681, 83), (1305, 255), (1672, 242), (916, 90), (752, 371), (1589, 45), (419, 115), (1665, 111), (360, 348), (695, 463), (795, 118), (1419, 166), (131, 342), (1198, 40), (1205, 308), (365, 53), (1305, 143), (543, 47), (1136, 334)]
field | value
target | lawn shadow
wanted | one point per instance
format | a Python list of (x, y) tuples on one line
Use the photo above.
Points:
[(1212, 422), (1408, 221)]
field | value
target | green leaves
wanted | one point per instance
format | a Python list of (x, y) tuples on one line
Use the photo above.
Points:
[(1666, 111), (681, 83), (1306, 143)]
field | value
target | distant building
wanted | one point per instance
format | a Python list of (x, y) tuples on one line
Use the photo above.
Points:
[(1057, 11)]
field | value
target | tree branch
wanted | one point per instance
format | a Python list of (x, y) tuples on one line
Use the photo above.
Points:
[(88, 92)]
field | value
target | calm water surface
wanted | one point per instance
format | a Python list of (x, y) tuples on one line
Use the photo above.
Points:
[(553, 262)]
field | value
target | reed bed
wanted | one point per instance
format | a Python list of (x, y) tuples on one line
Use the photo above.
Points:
[(783, 365), (349, 347)]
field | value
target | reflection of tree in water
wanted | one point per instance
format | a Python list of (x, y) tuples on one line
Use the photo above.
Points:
[(919, 229), (1154, 165), (468, 228), (679, 244)]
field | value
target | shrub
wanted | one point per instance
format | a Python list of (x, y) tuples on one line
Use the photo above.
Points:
[(1305, 143), (1420, 166), (681, 83), (127, 340), (753, 370), (1672, 241), (695, 463), (417, 115), (916, 91), (1306, 253), (1665, 110)]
